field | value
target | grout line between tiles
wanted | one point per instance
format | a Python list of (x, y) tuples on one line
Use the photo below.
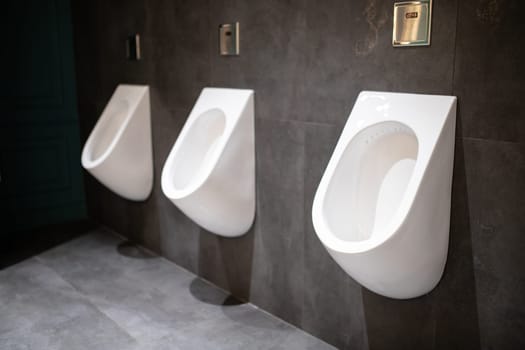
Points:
[(479, 139), (86, 298)]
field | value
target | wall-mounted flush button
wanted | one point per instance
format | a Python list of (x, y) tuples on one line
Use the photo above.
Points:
[(133, 47), (412, 21), (229, 39)]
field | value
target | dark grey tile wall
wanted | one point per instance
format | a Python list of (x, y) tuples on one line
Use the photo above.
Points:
[(307, 61)]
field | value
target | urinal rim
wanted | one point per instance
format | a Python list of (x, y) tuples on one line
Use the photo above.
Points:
[(132, 107), (166, 183), (322, 229)]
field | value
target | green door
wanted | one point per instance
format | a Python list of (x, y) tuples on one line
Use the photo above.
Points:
[(41, 178)]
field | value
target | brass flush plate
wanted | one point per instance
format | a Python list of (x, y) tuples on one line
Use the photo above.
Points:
[(229, 39), (412, 20)]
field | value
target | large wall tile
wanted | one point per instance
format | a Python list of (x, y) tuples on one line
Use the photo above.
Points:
[(272, 53), (350, 49), (277, 268), (179, 236), (495, 173), (177, 46), (227, 262), (489, 72)]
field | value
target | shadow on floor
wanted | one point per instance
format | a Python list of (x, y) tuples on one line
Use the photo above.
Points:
[(233, 308), (209, 294), (132, 250)]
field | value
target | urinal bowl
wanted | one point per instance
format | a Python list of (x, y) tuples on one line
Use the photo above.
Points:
[(210, 172), (118, 152), (382, 209)]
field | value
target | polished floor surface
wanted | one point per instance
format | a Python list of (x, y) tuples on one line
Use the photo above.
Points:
[(96, 292)]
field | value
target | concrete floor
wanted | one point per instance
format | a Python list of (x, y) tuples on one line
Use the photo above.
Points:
[(96, 292)]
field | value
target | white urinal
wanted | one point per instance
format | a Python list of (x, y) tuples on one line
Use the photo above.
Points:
[(210, 171), (382, 208), (118, 153)]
